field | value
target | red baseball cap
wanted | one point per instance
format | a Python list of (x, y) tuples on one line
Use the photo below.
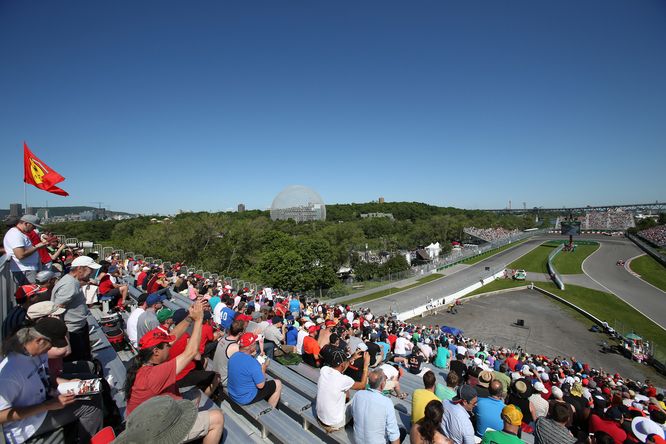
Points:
[(313, 328), (247, 339), (155, 337), (243, 317), (330, 323)]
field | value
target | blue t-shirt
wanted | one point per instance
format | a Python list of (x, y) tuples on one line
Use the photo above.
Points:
[(292, 335), (488, 414), (386, 348), (227, 317), (294, 305), (244, 374)]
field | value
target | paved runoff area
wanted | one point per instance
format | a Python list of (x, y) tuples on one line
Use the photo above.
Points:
[(550, 328)]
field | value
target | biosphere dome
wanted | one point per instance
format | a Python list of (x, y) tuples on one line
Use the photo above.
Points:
[(299, 203)]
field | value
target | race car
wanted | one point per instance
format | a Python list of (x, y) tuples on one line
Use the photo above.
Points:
[(520, 275)]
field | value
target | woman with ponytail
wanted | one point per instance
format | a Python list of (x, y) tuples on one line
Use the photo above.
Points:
[(428, 430)]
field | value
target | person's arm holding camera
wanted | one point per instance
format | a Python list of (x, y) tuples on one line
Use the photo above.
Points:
[(360, 385)]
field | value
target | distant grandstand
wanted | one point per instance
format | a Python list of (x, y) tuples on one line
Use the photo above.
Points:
[(610, 220), (655, 235), (490, 234)]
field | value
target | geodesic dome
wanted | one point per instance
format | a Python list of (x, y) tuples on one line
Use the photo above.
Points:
[(299, 203)]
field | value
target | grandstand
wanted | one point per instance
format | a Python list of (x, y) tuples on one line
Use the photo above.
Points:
[(655, 235), (491, 234), (610, 220), (295, 418)]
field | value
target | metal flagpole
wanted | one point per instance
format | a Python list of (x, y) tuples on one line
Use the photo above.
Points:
[(25, 198)]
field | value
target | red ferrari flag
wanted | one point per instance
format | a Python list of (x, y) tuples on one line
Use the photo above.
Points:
[(39, 174)]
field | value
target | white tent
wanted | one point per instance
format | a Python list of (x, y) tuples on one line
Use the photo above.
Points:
[(433, 250)]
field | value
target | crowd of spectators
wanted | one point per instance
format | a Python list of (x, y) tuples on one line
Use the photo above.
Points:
[(225, 342), (491, 234), (615, 219), (655, 235)]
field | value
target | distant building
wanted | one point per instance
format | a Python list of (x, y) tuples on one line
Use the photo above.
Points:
[(15, 210), (29, 210), (381, 200), (376, 215), (302, 213), (241, 207)]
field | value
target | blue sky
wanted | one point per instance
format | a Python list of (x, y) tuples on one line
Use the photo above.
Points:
[(156, 106)]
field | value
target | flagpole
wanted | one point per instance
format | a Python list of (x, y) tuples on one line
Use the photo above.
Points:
[(25, 198)]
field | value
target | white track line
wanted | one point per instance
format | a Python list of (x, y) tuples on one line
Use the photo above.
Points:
[(582, 266), (636, 275)]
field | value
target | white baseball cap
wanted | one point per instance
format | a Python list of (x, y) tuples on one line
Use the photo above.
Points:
[(85, 261)]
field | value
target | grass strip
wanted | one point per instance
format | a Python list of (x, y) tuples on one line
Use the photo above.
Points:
[(570, 262), (489, 253), (535, 260), (389, 291), (650, 270), (498, 284)]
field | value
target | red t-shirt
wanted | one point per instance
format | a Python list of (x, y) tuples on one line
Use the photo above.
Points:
[(140, 278), (598, 424), (43, 252), (153, 286), (511, 363), (176, 349), (391, 340), (151, 381), (207, 335), (105, 285)]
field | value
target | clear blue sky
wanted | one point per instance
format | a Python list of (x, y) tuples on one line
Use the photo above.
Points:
[(155, 106)]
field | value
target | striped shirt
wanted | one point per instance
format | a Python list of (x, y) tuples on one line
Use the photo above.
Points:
[(548, 431)]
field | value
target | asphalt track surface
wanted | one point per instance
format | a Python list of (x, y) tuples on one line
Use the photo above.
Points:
[(601, 267), (550, 329), (409, 299)]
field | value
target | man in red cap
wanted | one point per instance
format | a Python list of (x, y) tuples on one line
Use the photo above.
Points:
[(247, 381), (151, 373), (311, 348), (26, 295)]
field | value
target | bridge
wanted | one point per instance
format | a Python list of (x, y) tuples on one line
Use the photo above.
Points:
[(656, 207)]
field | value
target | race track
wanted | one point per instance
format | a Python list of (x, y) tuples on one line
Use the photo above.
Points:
[(601, 266)]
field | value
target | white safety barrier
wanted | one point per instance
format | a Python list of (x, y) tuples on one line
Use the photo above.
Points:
[(448, 299)]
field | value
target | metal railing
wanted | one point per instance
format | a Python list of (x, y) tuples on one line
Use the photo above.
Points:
[(551, 268)]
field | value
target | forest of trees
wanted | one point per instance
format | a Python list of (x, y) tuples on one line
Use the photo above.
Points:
[(285, 254)]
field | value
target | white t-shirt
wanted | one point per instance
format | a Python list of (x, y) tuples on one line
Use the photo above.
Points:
[(22, 386), (14, 238), (402, 346), (390, 371), (331, 392), (217, 312), (299, 341), (132, 323)]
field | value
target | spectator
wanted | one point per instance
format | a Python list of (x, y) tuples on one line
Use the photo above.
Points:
[(274, 334), (449, 392), (47, 279), (537, 401), (455, 422), (415, 361), (152, 373), (501, 376), (223, 314), (553, 428), (333, 391), (459, 366), (25, 411), (67, 294), (148, 319), (429, 430), (311, 348), (24, 256), (393, 373), (484, 379), (519, 396), (488, 411), (375, 421), (403, 348), (421, 397), (512, 418), (133, 320), (226, 347), (110, 289), (173, 421), (610, 423), (443, 355), (247, 381), (26, 295)]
